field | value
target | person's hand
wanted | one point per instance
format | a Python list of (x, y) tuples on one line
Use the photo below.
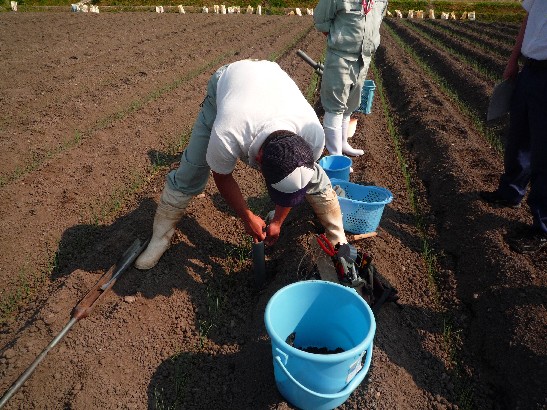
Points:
[(272, 233), (255, 226), (274, 228)]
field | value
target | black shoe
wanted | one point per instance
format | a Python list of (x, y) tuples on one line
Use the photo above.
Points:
[(494, 198), (528, 242)]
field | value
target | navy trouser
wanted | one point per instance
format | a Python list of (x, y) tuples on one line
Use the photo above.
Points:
[(525, 158)]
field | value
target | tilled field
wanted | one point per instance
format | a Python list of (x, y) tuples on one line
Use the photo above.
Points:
[(96, 108)]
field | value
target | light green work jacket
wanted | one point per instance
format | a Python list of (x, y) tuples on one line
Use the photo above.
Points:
[(349, 33)]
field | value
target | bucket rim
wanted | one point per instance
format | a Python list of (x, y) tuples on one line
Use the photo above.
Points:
[(325, 358), (344, 157), (389, 199)]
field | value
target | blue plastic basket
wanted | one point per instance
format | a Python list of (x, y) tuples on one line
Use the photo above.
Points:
[(362, 207), (367, 95)]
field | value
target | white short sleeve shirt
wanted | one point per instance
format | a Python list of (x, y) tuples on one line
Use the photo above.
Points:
[(534, 44), (254, 99)]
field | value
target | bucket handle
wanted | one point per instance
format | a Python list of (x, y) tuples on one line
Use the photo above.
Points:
[(352, 385)]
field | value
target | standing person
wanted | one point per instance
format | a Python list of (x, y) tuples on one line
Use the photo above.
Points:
[(253, 111), (525, 160), (353, 34)]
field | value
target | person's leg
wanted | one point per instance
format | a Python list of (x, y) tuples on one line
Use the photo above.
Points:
[(537, 97), (184, 183), (516, 176), (193, 171), (332, 124), (358, 74), (335, 88), (513, 182), (534, 87), (347, 149), (326, 207)]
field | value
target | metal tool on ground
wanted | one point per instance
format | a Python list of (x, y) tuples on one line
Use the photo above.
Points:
[(259, 264), (318, 67), (82, 309)]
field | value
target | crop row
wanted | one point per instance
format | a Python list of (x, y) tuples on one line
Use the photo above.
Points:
[(440, 100), (111, 118), (97, 102), (475, 35), (465, 70)]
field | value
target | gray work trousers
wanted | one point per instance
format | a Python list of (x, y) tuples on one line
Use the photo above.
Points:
[(342, 82), (343, 79)]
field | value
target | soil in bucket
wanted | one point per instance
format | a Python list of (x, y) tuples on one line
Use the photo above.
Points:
[(312, 349), (312, 310)]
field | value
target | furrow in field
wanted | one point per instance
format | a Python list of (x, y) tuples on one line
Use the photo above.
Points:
[(508, 30), (453, 162), (471, 87), (486, 63), (139, 137), (473, 38), (47, 117)]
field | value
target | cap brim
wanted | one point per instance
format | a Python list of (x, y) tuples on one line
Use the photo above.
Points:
[(287, 200)]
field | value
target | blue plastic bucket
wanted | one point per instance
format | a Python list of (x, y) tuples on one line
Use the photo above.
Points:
[(321, 314), (336, 166), (362, 207), (367, 95)]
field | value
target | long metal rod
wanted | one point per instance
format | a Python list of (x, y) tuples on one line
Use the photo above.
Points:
[(23, 378), (82, 309)]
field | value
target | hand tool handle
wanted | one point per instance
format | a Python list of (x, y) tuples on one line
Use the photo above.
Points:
[(317, 66), (23, 378), (364, 235), (86, 305)]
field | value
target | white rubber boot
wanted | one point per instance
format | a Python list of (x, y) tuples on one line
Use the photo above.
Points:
[(170, 209), (333, 140), (332, 124), (327, 208), (346, 148)]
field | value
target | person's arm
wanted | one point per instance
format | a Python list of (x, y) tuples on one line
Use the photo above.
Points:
[(229, 189), (323, 14), (512, 68)]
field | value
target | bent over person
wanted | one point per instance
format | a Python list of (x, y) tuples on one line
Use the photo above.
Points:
[(253, 111)]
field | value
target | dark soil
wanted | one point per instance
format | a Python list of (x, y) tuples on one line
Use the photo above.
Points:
[(321, 350), (95, 108)]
